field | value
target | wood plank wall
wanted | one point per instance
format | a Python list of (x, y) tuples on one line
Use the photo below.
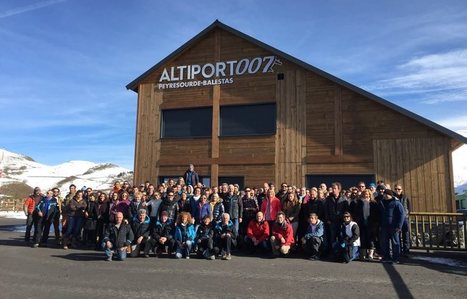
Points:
[(291, 128), (421, 166), (322, 128)]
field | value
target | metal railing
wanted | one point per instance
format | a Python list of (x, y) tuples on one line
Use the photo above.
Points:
[(11, 205), (438, 231)]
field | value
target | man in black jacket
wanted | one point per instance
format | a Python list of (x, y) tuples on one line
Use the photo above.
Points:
[(405, 232), (140, 228), (117, 238), (334, 208), (162, 234)]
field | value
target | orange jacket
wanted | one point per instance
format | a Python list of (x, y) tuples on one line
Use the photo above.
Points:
[(29, 205)]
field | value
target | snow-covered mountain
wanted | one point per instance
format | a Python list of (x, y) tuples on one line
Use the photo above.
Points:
[(22, 171)]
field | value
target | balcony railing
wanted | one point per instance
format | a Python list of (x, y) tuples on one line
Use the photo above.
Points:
[(438, 231)]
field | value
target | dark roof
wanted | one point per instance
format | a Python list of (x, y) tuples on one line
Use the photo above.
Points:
[(217, 24)]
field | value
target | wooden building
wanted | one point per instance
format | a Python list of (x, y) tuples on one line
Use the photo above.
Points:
[(243, 111)]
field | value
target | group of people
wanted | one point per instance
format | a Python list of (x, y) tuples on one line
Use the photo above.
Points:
[(184, 218)]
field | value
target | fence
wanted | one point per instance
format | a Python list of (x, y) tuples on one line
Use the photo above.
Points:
[(438, 231), (11, 205)]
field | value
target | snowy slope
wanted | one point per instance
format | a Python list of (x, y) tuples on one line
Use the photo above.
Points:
[(18, 168)]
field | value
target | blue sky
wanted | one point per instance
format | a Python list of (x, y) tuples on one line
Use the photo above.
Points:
[(64, 64)]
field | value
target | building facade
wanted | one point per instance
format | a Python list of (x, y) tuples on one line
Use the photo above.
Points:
[(243, 111)]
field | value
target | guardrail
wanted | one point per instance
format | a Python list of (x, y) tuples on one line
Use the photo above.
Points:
[(11, 205), (438, 231)]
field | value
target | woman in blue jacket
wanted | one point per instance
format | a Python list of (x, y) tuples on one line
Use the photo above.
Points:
[(184, 235)]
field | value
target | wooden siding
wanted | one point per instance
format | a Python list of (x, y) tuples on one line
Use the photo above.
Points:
[(322, 128), (421, 166)]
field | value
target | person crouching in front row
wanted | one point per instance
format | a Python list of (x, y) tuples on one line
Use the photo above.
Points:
[(162, 235), (204, 238), (140, 226), (282, 236), (257, 234), (312, 241), (184, 235), (225, 236), (117, 238), (348, 246)]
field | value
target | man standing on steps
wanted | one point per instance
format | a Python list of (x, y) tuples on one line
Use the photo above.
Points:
[(191, 176)]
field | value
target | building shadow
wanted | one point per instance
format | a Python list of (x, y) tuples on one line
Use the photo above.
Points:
[(398, 283)]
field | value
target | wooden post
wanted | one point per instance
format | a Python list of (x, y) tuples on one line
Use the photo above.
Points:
[(216, 94)]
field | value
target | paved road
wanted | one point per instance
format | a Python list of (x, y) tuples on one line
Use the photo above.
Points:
[(55, 273)]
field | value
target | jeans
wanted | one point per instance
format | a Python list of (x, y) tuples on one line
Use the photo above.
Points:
[(390, 238), (405, 232), (313, 246), (74, 228), (263, 245), (184, 249), (121, 254), (41, 235), (236, 225), (345, 252), (29, 224)]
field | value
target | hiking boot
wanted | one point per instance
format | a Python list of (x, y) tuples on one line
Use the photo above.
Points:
[(228, 257)]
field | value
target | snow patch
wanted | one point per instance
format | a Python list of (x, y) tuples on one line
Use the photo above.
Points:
[(440, 260), (12, 215)]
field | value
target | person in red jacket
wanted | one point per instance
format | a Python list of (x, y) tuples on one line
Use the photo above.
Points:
[(257, 234), (282, 236), (270, 207), (31, 212)]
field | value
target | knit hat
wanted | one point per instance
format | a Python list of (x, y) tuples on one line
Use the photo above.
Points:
[(389, 192), (381, 187)]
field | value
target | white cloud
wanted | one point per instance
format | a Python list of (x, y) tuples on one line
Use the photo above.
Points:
[(27, 8), (435, 78), (458, 123)]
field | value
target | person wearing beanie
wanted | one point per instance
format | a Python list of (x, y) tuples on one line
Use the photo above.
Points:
[(348, 244), (392, 219)]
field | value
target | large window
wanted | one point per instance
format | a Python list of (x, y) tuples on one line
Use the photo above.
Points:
[(346, 180), (248, 120), (180, 123)]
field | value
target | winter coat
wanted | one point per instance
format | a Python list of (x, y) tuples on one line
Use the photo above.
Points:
[(154, 207), (318, 233), (163, 230), (217, 211), (103, 211), (250, 208), (222, 228), (50, 211), (123, 206), (392, 214), (406, 204), (291, 210), (258, 230), (184, 206), (233, 206), (185, 233), (171, 207), (135, 206), (119, 237), (76, 209), (201, 211), (191, 177), (285, 231), (334, 209), (358, 216), (274, 207), (349, 234), (140, 229), (204, 232), (92, 210)]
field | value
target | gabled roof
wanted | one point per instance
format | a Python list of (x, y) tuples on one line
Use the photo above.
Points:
[(217, 24)]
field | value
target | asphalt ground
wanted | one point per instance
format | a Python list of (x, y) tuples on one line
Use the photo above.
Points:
[(51, 272)]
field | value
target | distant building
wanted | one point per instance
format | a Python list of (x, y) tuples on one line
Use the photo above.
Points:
[(242, 111)]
